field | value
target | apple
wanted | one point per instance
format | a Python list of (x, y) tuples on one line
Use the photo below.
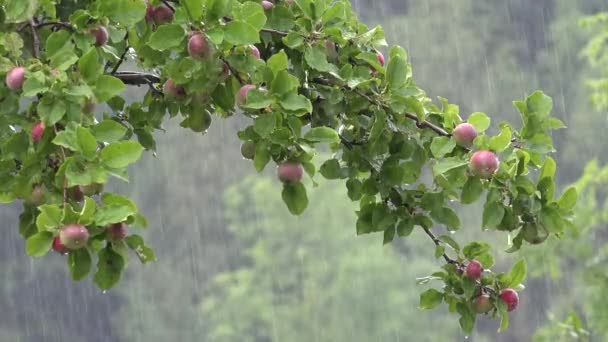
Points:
[(267, 5), (37, 195), (534, 234), (464, 134), (162, 15), (59, 247), (173, 90), (510, 297), (290, 172), (74, 236), (76, 193), (37, 131), (253, 50), (484, 164), (330, 50), (89, 106), (92, 189), (198, 46), (380, 58), (248, 149), (241, 96), (116, 231), (482, 303), (149, 12), (473, 269), (101, 35), (15, 78)]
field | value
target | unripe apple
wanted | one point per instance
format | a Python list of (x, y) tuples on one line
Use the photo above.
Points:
[(253, 50), (534, 234), (15, 78), (101, 35), (116, 231), (37, 195), (290, 172), (248, 149), (173, 90), (198, 46), (241, 96), (484, 164), (37, 131), (92, 189), (74, 236), (482, 303), (59, 247), (267, 5), (89, 107), (474, 269), (149, 12), (510, 297), (162, 15), (464, 134), (380, 58)]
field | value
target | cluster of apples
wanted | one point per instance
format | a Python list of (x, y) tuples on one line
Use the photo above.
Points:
[(483, 163), (483, 302)]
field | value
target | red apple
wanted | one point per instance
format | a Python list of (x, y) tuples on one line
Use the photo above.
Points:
[(482, 303), (15, 78), (173, 90), (380, 58), (37, 131), (474, 269), (267, 5), (76, 193), (254, 51), (59, 247), (162, 15), (74, 236), (290, 172), (241, 96), (198, 46), (464, 134), (149, 12), (484, 164), (116, 231), (101, 35), (510, 297)]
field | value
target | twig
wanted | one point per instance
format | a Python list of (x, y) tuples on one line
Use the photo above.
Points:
[(65, 178), (233, 71), (438, 243), (137, 78), (55, 23), (168, 5), (35, 40), (122, 57)]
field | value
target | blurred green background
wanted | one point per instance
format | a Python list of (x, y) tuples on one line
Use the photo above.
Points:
[(233, 265)]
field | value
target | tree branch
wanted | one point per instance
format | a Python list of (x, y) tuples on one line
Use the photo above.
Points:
[(122, 57), (438, 243), (35, 39)]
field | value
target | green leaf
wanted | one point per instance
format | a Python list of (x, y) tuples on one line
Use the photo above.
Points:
[(429, 299), (539, 104), (294, 196), (475, 249), (504, 322), (265, 124), (405, 228), (449, 241), (297, 103), (107, 87), (442, 146), (121, 154), (79, 263), (278, 62), (109, 131), (446, 216), (39, 244), (125, 12), (143, 252), (194, 7), (49, 218), (480, 120), (86, 142), (112, 214), (448, 164), (51, 110), (251, 13), (548, 169), (241, 33), (19, 11), (261, 157), (167, 37), (331, 169), (518, 273), (89, 65), (502, 140), (109, 268), (322, 134), (471, 191), (317, 59), (396, 72), (568, 199), (493, 213)]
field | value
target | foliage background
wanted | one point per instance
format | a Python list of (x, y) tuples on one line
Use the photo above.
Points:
[(235, 266)]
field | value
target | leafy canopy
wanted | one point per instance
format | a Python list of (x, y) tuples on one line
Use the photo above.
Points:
[(320, 83)]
